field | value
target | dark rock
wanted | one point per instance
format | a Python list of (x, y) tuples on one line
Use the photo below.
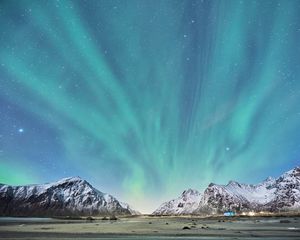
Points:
[(113, 218), (180, 205), (46, 228), (186, 228), (90, 218), (284, 221)]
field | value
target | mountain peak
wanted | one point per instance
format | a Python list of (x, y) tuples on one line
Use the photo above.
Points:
[(280, 194), (269, 180), (185, 204), (296, 170), (68, 196), (190, 191), (233, 183), (71, 179), (293, 173)]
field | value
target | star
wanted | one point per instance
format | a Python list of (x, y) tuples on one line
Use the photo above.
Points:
[(107, 97)]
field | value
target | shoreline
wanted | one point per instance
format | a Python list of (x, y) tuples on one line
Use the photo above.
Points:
[(144, 227)]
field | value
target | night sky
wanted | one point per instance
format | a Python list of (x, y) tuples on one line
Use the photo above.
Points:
[(144, 99)]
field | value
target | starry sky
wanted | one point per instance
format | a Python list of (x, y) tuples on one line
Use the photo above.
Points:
[(144, 99)]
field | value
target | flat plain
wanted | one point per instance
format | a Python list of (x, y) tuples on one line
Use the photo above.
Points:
[(146, 227)]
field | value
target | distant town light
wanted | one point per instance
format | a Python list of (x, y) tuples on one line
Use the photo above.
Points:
[(251, 214)]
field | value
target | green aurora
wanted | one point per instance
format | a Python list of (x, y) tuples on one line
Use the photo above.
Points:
[(144, 99)]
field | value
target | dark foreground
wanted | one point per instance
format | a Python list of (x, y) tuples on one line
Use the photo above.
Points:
[(153, 228)]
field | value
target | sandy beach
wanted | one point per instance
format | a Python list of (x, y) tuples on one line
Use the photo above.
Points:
[(145, 227)]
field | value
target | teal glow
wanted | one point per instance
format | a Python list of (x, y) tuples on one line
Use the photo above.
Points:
[(146, 98)]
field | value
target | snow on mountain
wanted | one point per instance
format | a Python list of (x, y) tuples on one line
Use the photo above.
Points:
[(272, 194), (219, 198), (68, 196), (185, 204), (287, 192), (236, 196), (130, 209)]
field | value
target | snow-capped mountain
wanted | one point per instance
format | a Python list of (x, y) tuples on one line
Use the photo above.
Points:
[(287, 192), (281, 194), (69, 196), (187, 203)]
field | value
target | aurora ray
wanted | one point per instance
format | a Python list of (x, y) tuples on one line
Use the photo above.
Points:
[(147, 98)]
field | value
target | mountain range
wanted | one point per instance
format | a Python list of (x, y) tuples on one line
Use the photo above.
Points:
[(76, 197), (66, 197), (272, 195)]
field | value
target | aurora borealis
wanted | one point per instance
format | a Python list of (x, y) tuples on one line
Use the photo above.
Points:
[(144, 99)]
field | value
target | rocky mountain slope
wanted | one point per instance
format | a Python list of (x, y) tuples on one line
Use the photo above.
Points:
[(67, 197), (281, 194), (130, 209), (187, 203)]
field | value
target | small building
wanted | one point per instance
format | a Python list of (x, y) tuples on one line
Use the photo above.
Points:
[(229, 214)]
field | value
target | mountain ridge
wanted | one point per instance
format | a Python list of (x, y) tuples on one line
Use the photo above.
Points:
[(273, 195), (71, 196), (186, 203)]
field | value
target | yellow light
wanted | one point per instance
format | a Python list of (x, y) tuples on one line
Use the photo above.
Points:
[(251, 214)]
